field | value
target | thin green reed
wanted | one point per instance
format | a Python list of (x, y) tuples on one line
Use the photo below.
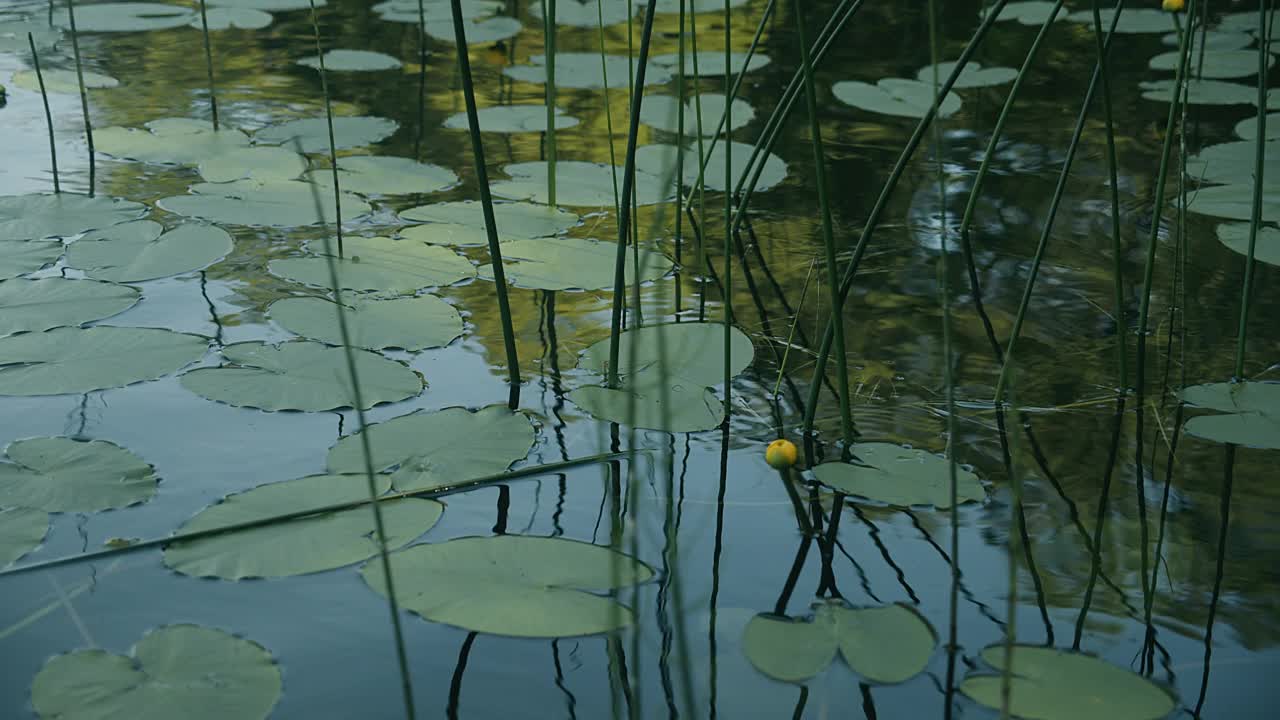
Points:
[(608, 110), (681, 92), (1016, 532), (727, 276), (704, 261), (84, 94), (549, 33), (1117, 250), (48, 116), (328, 116), (828, 234), (486, 200), (208, 65), (1259, 164), (422, 81)]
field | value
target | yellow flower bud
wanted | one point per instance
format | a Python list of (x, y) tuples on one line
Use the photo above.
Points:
[(1174, 5), (781, 454)]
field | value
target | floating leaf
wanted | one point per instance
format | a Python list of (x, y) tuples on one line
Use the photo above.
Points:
[(659, 160), (1132, 21), (1266, 248), (973, 75), (1233, 202), (411, 323), (379, 264), (710, 63), (385, 175), (35, 305), (281, 203), (512, 119), (254, 162), (461, 223), (583, 70), (900, 476), (561, 263), (584, 184), (301, 375), (59, 474), (137, 251), (1051, 684), (438, 448), (1216, 63), (62, 81), (1214, 40), (75, 360), (268, 5), (352, 60), (588, 13), (1208, 92), (124, 17), (1246, 21), (886, 644), (894, 96), (1233, 163), (513, 585), (659, 111), (1031, 12), (225, 18), (479, 30), (186, 671), (313, 133), (38, 216), (297, 547), (180, 141), (19, 257), (1254, 408), (21, 531), (13, 35), (406, 11), (1248, 128)]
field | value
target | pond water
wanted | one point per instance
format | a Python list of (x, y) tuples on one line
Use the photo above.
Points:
[(702, 509)]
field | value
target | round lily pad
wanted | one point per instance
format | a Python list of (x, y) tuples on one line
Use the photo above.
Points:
[(385, 175), (1213, 40), (280, 203), (313, 133), (589, 13), (659, 111), (894, 96), (406, 11), (900, 476), (461, 223), (885, 644), (301, 375), (1233, 202), (710, 63), (226, 18), (21, 531), (1030, 12), (297, 547), (379, 264), (974, 75), (75, 360), (124, 17), (1266, 248), (141, 250), (19, 257), (1217, 63), (1246, 21), (253, 162), (269, 5), (479, 31), (512, 119), (1052, 684), (352, 60), (38, 216), (438, 448), (186, 671), (659, 160), (513, 585), (1133, 21), (1208, 92), (411, 323), (1234, 162), (583, 70), (180, 141), (1248, 128), (1253, 407), (59, 474), (561, 263), (583, 184), (62, 81), (35, 305)]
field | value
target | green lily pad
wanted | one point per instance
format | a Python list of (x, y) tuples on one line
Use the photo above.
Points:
[(225, 18), (885, 644), (406, 11), (1233, 163), (141, 250), (1133, 21), (1052, 684), (1217, 63), (1213, 40), (21, 531), (659, 111), (385, 175), (124, 17), (512, 119), (35, 305), (674, 394), (1031, 12), (179, 141), (298, 547), (583, 70), (974, 75), (513, 585), (1254, 408), (352, 61), (900, 476), (894, 96), (443, 447), (1248, 128), (1233, 202), (280, 203), (659, 160), (74, 360), (379, 264), (264, 162), (589, 13), (186, 671), (710, 63), (411, 323), (268, 5), (1246, 21), (58, 474), (584, 184), (479, 31), (39, 216), (561, 263), (1266, 248), (693, 6), (19, 257), (13, 35), (1208, 92), (301, 375), (461, 223), (62, 81), (313, 133)]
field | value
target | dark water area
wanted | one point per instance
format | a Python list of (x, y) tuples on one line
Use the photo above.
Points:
[(703, 509)]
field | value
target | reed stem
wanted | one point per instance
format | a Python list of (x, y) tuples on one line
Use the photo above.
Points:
[(1117, 250), (1259, 165), (48, 116), (208, 64), (84, 95), (728, 217), (422, 81), (549, 33), (328, 116)]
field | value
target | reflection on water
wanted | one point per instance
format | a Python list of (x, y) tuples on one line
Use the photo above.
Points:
[(706, 511)]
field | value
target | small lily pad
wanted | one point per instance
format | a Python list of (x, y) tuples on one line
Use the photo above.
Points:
[(1266, 248), (19, 257), (252, 163), (1216, 63), (512, 119), (124, 17), (561, 263), (141, 250), (39, 216), (379, 264), (179, 141), (186, 671), (62, 81), (406, 11), (1233, 202), (974, 75), (1208, 92), (280, 203), (313, 133), (1030, 12), (21, 531), (352, 61), (900, 476), (589, 13), (1248, 128), (226, 18), (298, 547), (1133, 21), (301, 375), (659, 111), (35, 305), (385, 175), (578, 183), (1052, 684), (59, 474), (710, 63), (1246, 21), (1233, 163), (513, 585), (461, 223), (411, 323), (479, 31), (1213, 40), (268, 5), (894, 96), (659, 160), (583, 70), (74, 360), (1254, 413)]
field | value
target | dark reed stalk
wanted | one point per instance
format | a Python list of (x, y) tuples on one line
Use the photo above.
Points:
[(1117, 250), (549, 34), (328, 116), (704, 261), (84, 95), (1011, 598), (48, 116), (608, 110), (1259, 164), (486, 200), (208, 64), (1224, 511), (680, 100), (727, 277), (422, 81)]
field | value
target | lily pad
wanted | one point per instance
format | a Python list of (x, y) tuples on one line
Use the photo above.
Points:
[(583, 184), (1133, 21), (253, 162), (1266, 248), (1254, 413), (1248, 128), (1246, 21), (13, 34), (974, 75), (1052, 684), (512, 119), (140, 250), (1031, 12), (1233, 202), (268, 5), (21, 531), (75, 360), (710, 63), (58, 474), (589, 13), (124, 17), (280, 203), (479, 31), (583, 70), (313, 133), (659, 112), (1217, 63), (561, 263), (379, 264), (19, 257), (411, 323), (406, 11), (1208, 92), (885, 644), (1233, 163), (179, 141), (185, 671), (385, 175), (443, 447), (894, 96), (900, 476), (298, 547), (352, 61), (242, 18), (38, 216), (461, 223), (301, 375), (35, 305), (1214, 40), (62, 81), (659, 160), (513, 585)]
